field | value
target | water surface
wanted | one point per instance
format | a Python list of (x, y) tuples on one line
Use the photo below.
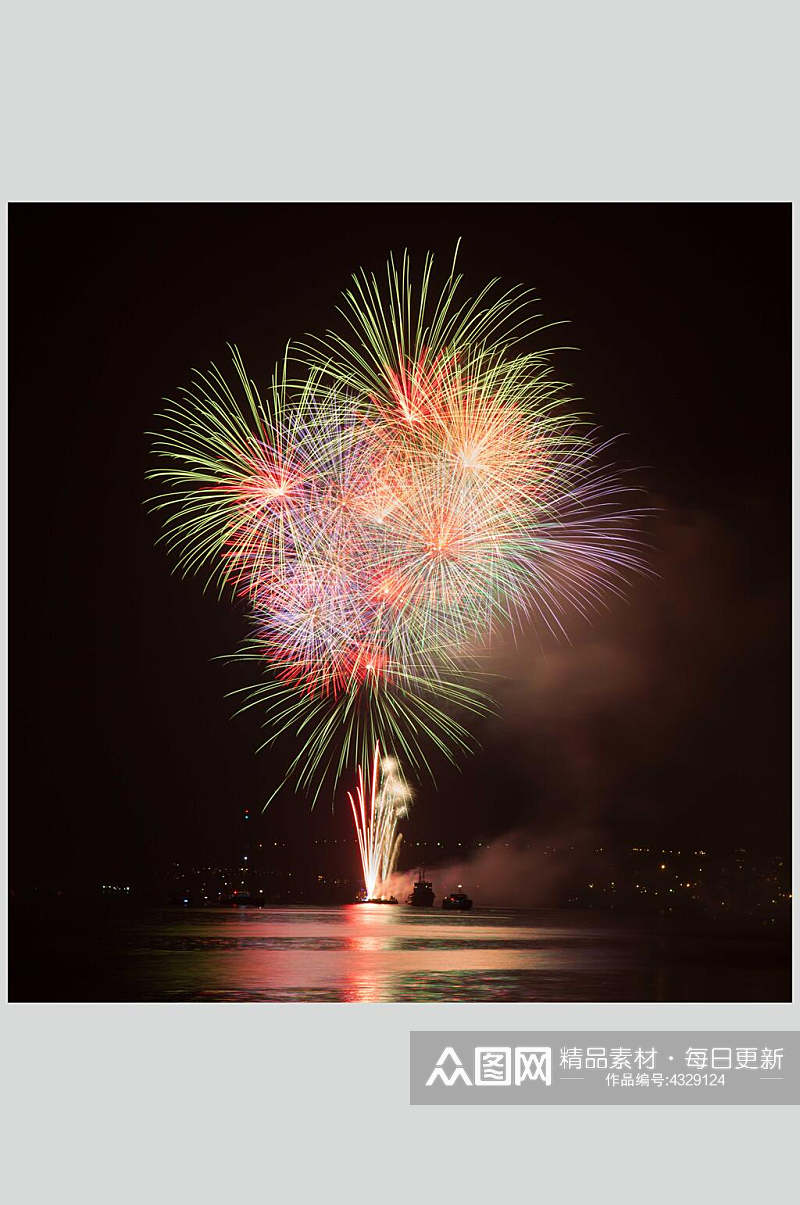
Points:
[(384, 953)]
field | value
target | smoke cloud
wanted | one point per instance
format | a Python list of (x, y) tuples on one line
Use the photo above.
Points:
[(513, 871)]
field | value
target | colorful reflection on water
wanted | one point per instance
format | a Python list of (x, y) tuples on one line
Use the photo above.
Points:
[(378, 953)]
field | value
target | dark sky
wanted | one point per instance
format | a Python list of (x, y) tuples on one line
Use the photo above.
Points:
[(667, 718)]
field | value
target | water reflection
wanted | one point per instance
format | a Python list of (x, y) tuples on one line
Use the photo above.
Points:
[(384, 953), (381, 953)]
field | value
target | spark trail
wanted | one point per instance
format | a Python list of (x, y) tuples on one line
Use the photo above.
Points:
[(380, 802)]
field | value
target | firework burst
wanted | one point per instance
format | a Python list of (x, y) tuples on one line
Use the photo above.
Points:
[(401, 492)]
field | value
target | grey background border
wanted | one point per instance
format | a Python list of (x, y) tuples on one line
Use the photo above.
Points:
[(248, 101)]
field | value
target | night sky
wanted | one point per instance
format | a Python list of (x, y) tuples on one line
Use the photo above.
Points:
[(666, 719)]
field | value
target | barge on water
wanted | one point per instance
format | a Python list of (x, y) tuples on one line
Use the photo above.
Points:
[(423, 894)]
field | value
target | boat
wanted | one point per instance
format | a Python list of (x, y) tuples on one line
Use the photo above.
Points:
[(363, 899), (457, 901), (423, 895)]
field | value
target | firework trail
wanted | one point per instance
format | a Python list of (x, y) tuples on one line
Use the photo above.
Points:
[(401, 493), (380, 802)]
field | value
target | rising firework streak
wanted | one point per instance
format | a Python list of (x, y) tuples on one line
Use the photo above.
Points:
[(380, 802)]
